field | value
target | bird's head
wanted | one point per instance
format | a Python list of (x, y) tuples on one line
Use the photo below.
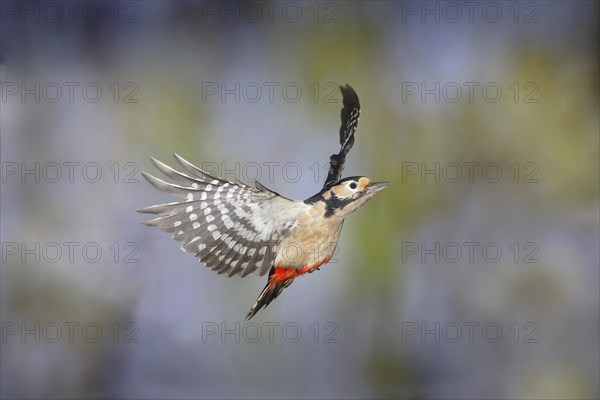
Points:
[(348, 195)]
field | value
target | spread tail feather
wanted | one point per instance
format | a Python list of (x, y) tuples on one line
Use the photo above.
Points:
[(268, 294)]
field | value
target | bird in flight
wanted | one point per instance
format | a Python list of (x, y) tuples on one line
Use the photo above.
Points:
[(236, 229)]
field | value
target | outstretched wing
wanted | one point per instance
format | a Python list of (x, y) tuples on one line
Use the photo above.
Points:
[(231, 227), (350, 116)]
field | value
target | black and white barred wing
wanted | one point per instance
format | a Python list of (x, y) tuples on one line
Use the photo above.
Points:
[(231, 227), (350, 115)]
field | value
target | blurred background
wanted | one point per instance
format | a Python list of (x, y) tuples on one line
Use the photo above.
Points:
[(474, 275)]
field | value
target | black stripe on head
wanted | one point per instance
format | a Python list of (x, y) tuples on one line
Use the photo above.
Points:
[(317, 197), (335, 203)]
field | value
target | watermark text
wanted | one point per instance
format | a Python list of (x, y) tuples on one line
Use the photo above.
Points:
[(69, 332)]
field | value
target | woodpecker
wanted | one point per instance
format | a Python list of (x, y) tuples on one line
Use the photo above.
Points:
[(236, 229)]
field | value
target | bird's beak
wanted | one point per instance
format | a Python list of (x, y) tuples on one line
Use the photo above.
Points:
[(377, 186)]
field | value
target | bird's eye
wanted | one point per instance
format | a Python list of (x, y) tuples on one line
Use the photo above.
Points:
[(353, 185)]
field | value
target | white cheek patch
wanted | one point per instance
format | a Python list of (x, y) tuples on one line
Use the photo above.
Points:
[(340, 191)]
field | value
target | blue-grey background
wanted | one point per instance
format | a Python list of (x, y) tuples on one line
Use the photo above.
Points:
[(380, 321)]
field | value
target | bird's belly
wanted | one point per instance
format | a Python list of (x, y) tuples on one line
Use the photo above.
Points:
[(308, 247)]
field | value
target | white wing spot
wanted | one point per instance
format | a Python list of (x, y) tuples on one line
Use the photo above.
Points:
[(196, 225), (208, 188), (210, 218), (216, 235), (217, 195), (190, 196), (251, 252), (239, 212), (193, 217), (207, 211), (177, 223), (203, 205), (189, 209), (249, 235), (203, 196), (211, 227), (214, 182), (195, 185)]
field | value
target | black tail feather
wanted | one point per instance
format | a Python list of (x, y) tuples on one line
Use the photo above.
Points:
[(268, 294)]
